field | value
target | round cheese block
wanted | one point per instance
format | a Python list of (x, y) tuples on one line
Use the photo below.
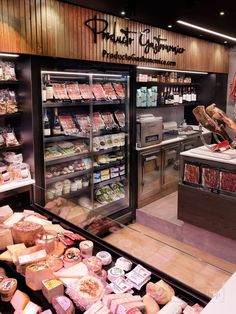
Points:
[(26, 232)]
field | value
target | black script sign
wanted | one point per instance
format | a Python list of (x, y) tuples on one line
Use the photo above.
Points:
[(99, 26)]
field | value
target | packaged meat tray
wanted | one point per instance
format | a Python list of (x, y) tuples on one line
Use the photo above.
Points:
[(68, 148), (120, 117), (85, 91), (98, 91), (84, 123), (51, 152), (109, 91), (210, 178), (119, 89), (80, 146), (191, 173), (59, 91), (73, 91), (228, 181), (109, 121), (98, 123), (68, 125)]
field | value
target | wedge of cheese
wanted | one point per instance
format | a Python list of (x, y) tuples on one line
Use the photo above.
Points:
[(5, 238), (19, 300), (6, 256), (32, 308), (16, 247), (5, 213), (16, 217)]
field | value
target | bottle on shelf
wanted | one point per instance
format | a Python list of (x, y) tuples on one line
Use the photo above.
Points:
[(56, 127), (184, 95), (193, 95), (167, 96), (188, 95), (180, 96), (176, 96), (46, 124), (44, 92), (162, 98), (49, 88), (171, 96)]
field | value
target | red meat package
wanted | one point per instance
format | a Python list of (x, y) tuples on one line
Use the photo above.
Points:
[(119, 90), (84, 122), (86, 91), (98, 91), (68, 125), (98, 123), (228, 181), (59, 91), (109, 91), (210, 178), (120, 117), (108, 120), (73, 91), (191, 173)]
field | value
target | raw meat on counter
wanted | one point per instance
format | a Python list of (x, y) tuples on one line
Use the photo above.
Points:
[(73, 91), (109, 91), (109, 120), (59, 91), (119, 90), (98, 91), (68, 125), (228, 181), (210, 178), (85, 91), (191, 173)]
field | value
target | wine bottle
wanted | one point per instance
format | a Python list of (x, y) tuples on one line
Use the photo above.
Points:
[(189, 98), (56, 127), (44, 94), (176, 96), (46, 124), (194, 95), (171, 96), (180, 96), (162, 98), (49, 89)]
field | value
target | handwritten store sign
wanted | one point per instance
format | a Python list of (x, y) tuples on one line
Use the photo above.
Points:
[(126, 38)]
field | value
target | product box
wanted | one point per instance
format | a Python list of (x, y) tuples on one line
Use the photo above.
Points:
[(141, 99)]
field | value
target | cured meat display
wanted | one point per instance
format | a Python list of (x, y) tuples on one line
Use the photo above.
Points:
[(98, 91), (8, 102), (109, 120), (228, 181), (119, 90), (73, 91), (97, 122), (84, 123), (68, 125), (210, 178), (109, 91), (86, 91), (191, 173), (59, 91), (7, 71), (120, 117)]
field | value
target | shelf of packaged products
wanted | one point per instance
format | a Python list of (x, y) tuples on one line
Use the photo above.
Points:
[(68, 176), (15, 185), (58, 138), (65, 158), (109, 150), (10, 82), (107, 166), (9, 148), (11, 115), (173, 106), (108, 132), (82, 103), (110, 181), (167, 84)]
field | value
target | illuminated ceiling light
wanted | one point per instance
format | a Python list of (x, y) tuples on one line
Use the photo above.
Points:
[(10, 55), (122, 12), (79, 73), (170, 70), (225, 42), (206, 30), (222, 13), (169, 26)]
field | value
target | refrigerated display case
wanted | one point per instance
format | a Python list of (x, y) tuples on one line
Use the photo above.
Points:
[(85, 134)]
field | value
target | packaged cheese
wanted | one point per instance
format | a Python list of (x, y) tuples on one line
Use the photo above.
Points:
[(33, 257), (5, 213), (52, 288), (36, 273), (16, 247), (63, 305), (32, 308), (26, 232), (16, 217), (19, 300), (5, 238), (6, 256), (7, 288)]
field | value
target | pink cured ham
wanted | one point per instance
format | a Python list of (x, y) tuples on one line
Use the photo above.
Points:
[(68, 125), (59, 91), (228, 181), (108, 120), (120, 117), (119, 90), (73, 91), (84, 122), (86, 91), (210, 178), (191, 173), (98, 123), (109, 91), (98, 91)]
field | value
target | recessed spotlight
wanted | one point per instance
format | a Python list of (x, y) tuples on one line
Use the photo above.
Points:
[(169, 26), (122, 12), (200, 35), (222, 13), (225, 42)]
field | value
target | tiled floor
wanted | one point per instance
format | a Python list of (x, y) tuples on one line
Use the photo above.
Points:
[(191, 266)]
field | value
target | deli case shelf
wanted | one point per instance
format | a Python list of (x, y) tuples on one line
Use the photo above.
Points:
[(80, 103), (110, 181), (58, 138), (60, 160), (68, 176)]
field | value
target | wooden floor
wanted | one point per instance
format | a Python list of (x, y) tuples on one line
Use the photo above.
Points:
[(203, 272)]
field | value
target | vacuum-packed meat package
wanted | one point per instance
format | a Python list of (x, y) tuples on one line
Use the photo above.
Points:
[(85, 91), (10, 137), (84, 123), (98, 123), (59, 91), (228, 181), (191, 173), (68, 125), (120, 117), (210, 178), (8, 71), (73, 91), (119, 90), (109, 91), (98, 91), (109, 120)]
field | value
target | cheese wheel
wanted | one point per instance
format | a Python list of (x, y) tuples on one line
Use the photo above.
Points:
[(26, 232)]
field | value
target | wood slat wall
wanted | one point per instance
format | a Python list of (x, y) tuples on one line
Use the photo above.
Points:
[(54, 28)]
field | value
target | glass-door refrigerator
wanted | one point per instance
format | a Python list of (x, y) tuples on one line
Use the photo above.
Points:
[(86, 145)]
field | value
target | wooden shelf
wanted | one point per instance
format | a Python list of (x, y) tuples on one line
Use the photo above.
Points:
[(82, 103), (68, 176)]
